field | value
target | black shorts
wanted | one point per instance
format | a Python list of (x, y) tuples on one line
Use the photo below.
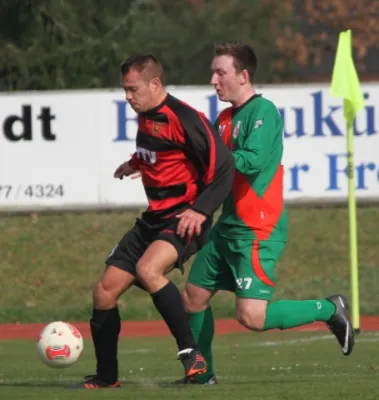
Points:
[(134, 243)]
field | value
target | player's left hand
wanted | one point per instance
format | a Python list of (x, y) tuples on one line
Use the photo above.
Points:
[(190, 222)]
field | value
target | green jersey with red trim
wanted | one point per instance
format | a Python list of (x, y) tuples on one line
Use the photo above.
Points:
[(255, 208)]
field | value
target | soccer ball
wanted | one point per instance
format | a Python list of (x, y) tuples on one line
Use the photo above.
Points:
[(59, 344)]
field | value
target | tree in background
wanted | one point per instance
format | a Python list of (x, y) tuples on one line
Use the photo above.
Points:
[(68, 44), (312, 42), (49, 44)]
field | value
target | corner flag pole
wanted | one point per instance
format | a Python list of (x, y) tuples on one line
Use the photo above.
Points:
[(353, 240), (345, 84)]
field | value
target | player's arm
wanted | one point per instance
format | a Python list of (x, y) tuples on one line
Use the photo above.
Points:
[(218, 164), (134, 162), (258, 144), (128, 167)]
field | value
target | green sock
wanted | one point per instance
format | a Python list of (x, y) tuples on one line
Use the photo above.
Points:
[(286, 314), (202, 327)]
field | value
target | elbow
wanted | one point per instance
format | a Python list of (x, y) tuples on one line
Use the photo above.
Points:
[(249, 163), (251, 168)]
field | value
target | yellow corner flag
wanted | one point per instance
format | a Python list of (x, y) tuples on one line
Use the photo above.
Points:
[(345, 84)]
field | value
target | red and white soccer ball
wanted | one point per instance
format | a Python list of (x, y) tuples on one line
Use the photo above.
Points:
[(59, 344)]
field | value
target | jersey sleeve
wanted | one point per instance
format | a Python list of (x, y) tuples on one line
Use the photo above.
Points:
[(257, 144), (217, 164)]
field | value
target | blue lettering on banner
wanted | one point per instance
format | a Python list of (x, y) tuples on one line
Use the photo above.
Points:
[(324, 123), (294, 176), (370, 120), (320, 120), (122, 119), (299, 122), (338, 168), (337, 174)]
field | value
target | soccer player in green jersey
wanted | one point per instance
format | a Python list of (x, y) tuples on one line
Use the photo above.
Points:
[(250, 236)]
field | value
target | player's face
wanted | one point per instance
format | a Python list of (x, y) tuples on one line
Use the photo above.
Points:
[(140, 93), (225, 79)]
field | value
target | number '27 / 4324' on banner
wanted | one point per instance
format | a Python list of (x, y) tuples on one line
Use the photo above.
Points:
[(38, 191)]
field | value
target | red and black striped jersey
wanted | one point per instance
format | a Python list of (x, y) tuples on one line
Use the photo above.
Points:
[(183, 161)]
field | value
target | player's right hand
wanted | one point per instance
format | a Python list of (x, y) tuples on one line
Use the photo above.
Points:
[(124, 170), (190, 223)]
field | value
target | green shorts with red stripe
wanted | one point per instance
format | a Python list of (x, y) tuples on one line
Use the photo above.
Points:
[(242, 266)]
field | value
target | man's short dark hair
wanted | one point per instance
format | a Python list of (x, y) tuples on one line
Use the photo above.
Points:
[(243, 55), (143, 63)]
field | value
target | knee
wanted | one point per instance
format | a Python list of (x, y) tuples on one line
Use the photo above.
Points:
[(253, 320), (103, 296), (147, 274), (194, 301)]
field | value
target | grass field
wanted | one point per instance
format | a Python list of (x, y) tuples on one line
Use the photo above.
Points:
[(270, 366), (48, 263)]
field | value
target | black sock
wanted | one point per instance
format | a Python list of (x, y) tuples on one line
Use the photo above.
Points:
[(105, 328), (169, 304)]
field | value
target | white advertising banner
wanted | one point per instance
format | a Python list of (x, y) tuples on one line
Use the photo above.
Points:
[(59, 149)]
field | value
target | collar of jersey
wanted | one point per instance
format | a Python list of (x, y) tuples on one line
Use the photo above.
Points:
[(235, 110), (156, 108)]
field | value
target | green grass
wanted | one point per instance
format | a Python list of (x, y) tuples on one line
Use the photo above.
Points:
[(270, 366), (48, 263)]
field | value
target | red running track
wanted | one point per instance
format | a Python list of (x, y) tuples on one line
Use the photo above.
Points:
[(158, 328)]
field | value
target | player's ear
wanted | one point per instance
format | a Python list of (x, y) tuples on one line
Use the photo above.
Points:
[(244, 77), (155, 84)]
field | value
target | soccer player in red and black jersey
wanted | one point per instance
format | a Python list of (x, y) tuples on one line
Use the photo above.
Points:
[(187, 172)]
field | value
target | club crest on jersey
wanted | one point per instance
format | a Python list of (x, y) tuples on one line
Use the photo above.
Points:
[(236, 129), (155, 128), (158, 127)]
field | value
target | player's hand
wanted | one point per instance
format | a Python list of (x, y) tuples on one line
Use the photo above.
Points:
[(190, 223), (123, 170)]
